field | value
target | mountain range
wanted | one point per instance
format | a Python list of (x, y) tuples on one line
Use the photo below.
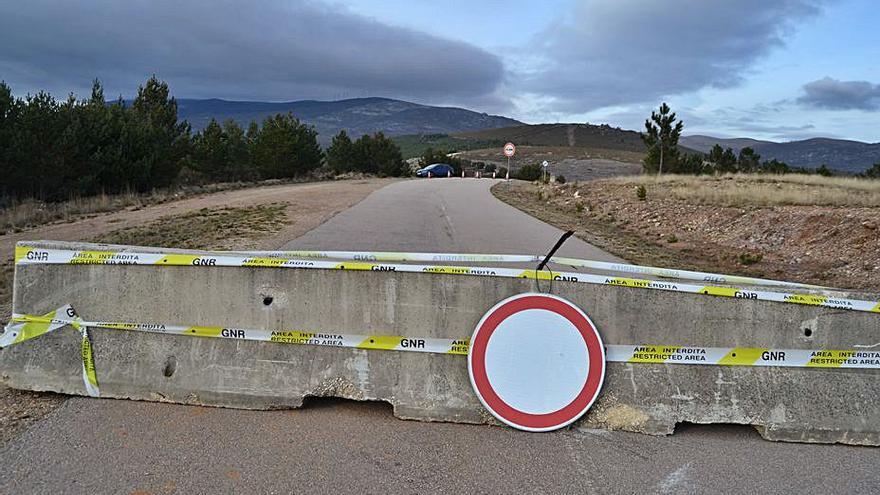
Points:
[(357, 116), (839, 154), (360, 116)]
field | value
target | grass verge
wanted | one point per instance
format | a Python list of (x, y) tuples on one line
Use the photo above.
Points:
[(219, 228), (29, 214)]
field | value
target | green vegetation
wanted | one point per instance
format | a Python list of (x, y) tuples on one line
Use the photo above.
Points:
[(873, 172), (661, 135), (54, 151), (374, 154), (529, 172), (663, 130), (750, 258), (282, 148), (641, 192)]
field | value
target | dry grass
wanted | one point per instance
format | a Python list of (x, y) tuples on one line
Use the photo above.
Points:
[(761, 190), (31, 213), (526, 154), (20, 216), (204, 229), (220, 228)]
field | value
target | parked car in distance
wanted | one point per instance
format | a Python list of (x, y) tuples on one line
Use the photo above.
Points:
[(436, 169)]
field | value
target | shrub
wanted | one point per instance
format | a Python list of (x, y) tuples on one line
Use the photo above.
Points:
[(529, 173), (560, 179), (750, 258), (641, 192)]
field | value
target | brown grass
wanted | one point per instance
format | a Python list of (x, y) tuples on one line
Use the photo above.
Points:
[(218, 228), (761, 190), (20, 216), (528, 154)]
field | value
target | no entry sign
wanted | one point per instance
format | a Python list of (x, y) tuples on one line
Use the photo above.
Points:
[(536, 362), (509, 150)]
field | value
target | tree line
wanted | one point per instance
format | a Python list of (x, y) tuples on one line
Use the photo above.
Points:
[(54, 150), (663, 130)]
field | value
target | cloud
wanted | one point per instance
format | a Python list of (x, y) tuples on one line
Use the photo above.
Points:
[(833, 94), (629, 51), (272, 49)]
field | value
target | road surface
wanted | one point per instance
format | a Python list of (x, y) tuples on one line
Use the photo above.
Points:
[(336, 446)]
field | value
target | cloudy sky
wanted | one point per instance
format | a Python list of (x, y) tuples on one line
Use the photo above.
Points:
[(772, 69)]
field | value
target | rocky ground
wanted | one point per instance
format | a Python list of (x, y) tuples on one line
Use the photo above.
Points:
[(745, 225)]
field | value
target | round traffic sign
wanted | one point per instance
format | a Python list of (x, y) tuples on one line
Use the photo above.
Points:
[(545, 164), (509, 149), (536, 362)]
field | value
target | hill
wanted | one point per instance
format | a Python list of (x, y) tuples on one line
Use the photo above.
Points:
[(570, 135), (357, 116), (840, 154)]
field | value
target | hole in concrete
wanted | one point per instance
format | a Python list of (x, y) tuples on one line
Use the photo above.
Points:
[(374, 408), (808, 332), (170, 366), (727, 431), (267, 300)]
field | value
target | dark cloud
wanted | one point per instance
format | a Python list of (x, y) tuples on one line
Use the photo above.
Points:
[(272, 49), (629, 51), (833, 94)]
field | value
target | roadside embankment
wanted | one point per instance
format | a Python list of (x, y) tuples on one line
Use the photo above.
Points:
[(801, 228)]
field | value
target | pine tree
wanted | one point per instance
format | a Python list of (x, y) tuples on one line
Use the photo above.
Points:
[(661, 135), (285, 147), (340, 154)]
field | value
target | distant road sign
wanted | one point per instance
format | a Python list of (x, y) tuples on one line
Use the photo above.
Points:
[(536, 362), (509, 150), (545, 164)]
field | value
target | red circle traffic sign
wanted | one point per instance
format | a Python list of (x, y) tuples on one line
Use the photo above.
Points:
[(509, 149), (536, 362)]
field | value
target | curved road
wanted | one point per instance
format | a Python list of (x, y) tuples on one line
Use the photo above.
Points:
[(335, 446)]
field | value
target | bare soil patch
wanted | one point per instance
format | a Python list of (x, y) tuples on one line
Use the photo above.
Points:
[(805, 229)]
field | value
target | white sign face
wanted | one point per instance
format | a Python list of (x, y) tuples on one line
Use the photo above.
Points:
[(545, 164), (536, 362), (509, 149)]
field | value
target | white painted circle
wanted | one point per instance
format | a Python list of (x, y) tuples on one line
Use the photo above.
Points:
[(545, 164), (537, 361), (509, 149)]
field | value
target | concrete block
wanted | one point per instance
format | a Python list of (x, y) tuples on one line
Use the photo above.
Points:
[(792, 404)]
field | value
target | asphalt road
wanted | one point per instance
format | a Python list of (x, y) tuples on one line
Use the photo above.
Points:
[(441, 215), (116, 446)]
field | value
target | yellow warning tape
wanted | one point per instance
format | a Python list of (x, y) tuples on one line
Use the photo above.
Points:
[(26, 255), (651, 354)]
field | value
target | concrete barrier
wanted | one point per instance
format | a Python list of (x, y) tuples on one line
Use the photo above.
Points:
[(793, 404)]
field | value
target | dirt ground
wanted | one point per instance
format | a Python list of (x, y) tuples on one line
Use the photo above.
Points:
[(698, 226), (294, 208)]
